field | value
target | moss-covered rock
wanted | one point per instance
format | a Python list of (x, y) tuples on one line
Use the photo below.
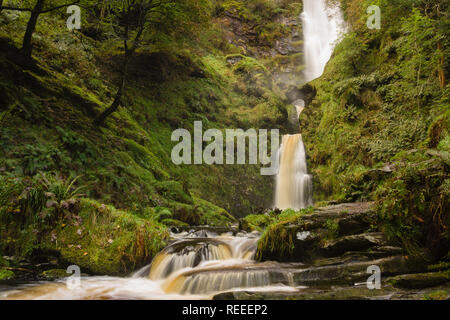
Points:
[(174, 223), (420, 280), (105, 241), (301, 236)]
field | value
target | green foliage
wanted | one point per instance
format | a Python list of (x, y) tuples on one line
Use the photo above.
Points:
[(413, 204), (6, 275), (332, 229), (278, 238), (43, 198), (109, 241), (256, 222), (381, 103)]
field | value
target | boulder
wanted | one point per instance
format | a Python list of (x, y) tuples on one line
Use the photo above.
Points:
[(420, 280)]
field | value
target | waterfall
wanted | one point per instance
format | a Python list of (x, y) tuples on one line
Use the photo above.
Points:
[(189, 268), (197, 265), (322, 26), (189, 253), (293, 183)]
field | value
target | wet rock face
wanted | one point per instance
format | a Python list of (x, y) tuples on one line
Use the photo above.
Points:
[(353, 243), (352, 272), (285, 51)]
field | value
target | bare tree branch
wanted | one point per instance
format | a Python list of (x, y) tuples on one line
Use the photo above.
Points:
[(42, 11)]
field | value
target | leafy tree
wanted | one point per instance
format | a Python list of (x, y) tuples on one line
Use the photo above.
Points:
[(132, 16), (40, 7), (418, 53), (144, 21)]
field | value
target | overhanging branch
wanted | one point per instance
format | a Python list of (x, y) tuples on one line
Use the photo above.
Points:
[(42, 11)]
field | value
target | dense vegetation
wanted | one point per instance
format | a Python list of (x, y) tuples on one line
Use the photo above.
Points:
[(87, 116), (383, 104)]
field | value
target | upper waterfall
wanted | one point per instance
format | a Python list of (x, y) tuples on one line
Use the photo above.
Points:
[(322, 26)]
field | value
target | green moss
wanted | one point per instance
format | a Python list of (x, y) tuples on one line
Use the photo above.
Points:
[(109, 241), (55, 273), (278, 238), (174, 223), (256, 222), (213, 215), (332, 229), (6, 274), (436, 295)]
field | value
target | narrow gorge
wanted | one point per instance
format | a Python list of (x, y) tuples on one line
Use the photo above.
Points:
[(87, 179)]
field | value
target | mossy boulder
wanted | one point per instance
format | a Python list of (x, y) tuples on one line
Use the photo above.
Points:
[(105, 241), (420, 280), (174, 223), (306, 235)]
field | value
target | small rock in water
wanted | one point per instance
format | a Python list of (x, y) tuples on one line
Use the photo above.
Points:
[(303, 235)]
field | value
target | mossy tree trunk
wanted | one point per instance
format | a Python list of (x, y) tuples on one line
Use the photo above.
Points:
[(117, 99), (129, 51), (441, 72), (31, 26)]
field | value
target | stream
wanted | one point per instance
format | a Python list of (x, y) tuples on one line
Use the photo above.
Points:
[(199, 264), (196, 265)]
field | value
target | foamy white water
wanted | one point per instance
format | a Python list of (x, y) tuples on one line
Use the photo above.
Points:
[(322, 27), (190, 268), (293, 183)]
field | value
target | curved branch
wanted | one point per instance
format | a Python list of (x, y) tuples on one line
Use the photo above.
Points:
[(16, 9), (59, 7), (42, 11)]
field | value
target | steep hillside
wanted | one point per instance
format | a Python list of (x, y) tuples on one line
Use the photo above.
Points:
[(378, 128), (55, 159)]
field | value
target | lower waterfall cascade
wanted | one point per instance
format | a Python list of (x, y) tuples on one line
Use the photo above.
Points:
[(192, 267), (198, 264), (293, 183)]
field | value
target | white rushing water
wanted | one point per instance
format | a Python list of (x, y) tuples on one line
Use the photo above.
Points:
[(192, 267), (322, 26), (198, 266), (293, 183)]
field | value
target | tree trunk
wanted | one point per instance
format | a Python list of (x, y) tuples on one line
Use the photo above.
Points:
[(441, 72), (114, 106), (117, 99), (129, 51), (31, 26)]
